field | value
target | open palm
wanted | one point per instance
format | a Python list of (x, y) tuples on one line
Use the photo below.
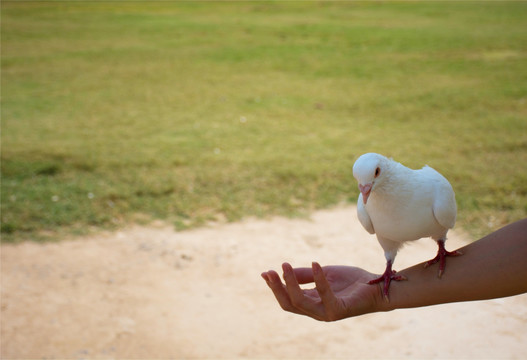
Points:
[(340, 291)]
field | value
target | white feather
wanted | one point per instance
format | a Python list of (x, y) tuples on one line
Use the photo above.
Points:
[(363, 216), (404, 204)]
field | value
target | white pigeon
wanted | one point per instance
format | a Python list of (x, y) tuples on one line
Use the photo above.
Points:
[(399, 204)]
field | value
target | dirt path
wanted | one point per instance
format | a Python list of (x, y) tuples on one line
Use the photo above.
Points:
[(155, 293)]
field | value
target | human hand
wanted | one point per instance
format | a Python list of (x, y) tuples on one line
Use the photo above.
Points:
[(340, 291)]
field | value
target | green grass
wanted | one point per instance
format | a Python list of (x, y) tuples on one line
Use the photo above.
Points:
[(188, 112)]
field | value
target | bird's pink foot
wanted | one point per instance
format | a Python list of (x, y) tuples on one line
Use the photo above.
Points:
[(441, 256), (387, 278)]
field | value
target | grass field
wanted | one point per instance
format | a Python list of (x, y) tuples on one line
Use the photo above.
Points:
[(118, 112)]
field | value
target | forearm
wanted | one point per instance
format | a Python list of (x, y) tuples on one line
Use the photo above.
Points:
[(492, 267)]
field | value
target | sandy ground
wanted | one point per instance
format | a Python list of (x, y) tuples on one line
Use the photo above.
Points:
[(155, 293)]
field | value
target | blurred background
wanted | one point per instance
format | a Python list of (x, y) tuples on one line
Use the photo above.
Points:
[(191, 112), (175, 115)]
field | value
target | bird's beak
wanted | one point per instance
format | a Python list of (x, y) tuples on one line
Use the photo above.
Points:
[(365, 191)]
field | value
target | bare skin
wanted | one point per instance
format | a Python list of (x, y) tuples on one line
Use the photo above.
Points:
[(492, 267)]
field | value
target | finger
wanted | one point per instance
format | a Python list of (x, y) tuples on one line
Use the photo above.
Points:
[(279, 291), (327, 296), (303, 303), (303, 275), (265, 277)]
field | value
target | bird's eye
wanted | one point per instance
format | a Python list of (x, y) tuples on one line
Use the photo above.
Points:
[(377, 172)]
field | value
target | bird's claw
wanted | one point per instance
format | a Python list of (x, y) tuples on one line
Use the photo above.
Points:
[(441, 256), (387, 278)]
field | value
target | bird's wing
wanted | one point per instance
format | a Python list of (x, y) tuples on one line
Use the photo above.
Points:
[(445, 209), (444, 206), (363, 216)]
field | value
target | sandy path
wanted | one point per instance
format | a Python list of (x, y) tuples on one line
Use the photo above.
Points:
[(155, 293)]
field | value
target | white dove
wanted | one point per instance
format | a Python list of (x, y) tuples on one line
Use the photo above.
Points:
[(399, 204)]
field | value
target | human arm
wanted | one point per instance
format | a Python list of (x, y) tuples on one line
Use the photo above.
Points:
[(492, 267)]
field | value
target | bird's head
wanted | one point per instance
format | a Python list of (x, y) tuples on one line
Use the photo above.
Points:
[(369, 170)]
